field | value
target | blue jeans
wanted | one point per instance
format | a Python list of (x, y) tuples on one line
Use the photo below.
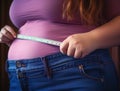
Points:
[(58, 72)]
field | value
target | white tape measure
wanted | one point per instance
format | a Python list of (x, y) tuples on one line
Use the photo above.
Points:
[(38, 39)]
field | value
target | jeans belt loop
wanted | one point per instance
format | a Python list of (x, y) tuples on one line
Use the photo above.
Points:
[(47, 68)]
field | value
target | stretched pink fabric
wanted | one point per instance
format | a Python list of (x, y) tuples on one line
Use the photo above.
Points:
[(43, 18)]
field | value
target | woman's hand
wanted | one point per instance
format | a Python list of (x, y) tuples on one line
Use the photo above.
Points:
[(7, 35), (78, 45)]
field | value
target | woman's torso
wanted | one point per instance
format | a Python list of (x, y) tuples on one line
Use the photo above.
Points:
[(41, 18)]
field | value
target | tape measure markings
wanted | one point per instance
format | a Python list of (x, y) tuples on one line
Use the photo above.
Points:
[(38, 39)]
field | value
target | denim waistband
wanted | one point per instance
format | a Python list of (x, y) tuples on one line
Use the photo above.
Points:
[(13, 64), (52, 60)]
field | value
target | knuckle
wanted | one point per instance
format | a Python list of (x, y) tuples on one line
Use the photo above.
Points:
[(71, 37), (7, 27), (10, 29), (75, 42), (4, 31)]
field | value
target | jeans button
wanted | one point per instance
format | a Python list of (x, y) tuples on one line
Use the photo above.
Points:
[(18, 64)]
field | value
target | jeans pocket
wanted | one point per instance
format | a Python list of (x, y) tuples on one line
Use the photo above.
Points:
[(94, 72)]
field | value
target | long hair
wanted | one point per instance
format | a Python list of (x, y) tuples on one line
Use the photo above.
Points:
[(90, 11)]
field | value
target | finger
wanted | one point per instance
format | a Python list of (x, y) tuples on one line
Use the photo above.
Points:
[(6, 42), (4, 39), (6, 33), (63, 47), (78, 53), (1, 37), (84, 54), (10, 30), (70, 51)]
